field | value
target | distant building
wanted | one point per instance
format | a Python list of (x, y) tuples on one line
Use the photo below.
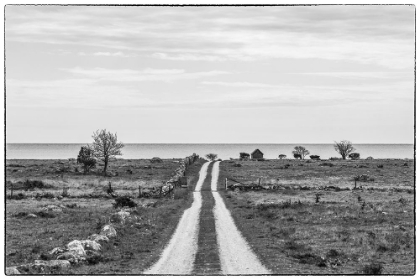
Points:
[(257, 154)]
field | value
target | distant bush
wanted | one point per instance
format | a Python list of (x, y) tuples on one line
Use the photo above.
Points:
[(124, 201), (314, 157), (380, 166), (372, 269), (334, 158), (237, 165), (18, 196), (44, 195), (244, 156), (86, 158), (32, 184), (301, 151), (156, 160), (211, 156), (369, 158), (297, 156), (282, 156), (354, 156)]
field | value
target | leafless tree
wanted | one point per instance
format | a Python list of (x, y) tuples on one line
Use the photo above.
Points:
[(299, 150), (344, 148), (105, 146)]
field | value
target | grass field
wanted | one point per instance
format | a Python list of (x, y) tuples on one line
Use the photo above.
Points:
[(87, 208), (315, 231)]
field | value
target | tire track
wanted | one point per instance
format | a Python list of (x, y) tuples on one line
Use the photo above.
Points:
[(179, 255), (207, 259)]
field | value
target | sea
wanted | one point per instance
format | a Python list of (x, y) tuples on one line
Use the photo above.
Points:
[(224, 151)]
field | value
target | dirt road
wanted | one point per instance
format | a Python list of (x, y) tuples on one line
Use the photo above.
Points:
[(206, 240)]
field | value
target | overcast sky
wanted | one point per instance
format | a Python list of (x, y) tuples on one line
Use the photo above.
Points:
[(314, 74)]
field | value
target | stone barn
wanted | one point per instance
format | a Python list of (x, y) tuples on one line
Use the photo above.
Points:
[(257, 154)]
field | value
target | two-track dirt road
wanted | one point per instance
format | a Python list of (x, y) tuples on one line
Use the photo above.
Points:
[(206, 240)]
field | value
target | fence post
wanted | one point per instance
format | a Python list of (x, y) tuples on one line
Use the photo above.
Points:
[(11, 191), (354, 182), (259, 181), (226, 184)]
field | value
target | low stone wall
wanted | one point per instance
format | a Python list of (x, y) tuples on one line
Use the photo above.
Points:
[(174, 181)]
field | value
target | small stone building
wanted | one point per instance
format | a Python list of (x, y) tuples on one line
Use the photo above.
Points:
[(257, 154)]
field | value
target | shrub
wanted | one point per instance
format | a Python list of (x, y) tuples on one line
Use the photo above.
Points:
[(369, 158), (297, 156), (211, 156), (380, 166), (32, 184), (334, 158), (86, 158), (124, 201), (315, 157), (282, 156), (18, 196), (244, 156), (44, 195), (354, 156), (156, 160), (372, 269)]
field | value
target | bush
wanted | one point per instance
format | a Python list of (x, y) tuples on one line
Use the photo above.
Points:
[(372, 269), (354, 156), (18, 196), (315, 157), (44, 195), (30, 185), (211, 156), (334, 158), (243, 156), (369, 158), (156, 160), (282, 156), (86, 158), (124, 201)]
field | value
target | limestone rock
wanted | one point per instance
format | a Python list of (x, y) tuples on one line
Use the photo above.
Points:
[(57, 250), (71, 256), (76, 246), (12, 270), (109, 231), (98, 238), (91, 245), (53, 263)]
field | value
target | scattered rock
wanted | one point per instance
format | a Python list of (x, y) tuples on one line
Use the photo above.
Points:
[(98, 238), (31, 216), (71, 256), (108, 231), (76, 247), (12, 270), (57, 250), (91, 245), (52, 208)]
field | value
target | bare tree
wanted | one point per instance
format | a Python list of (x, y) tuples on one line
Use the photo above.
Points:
[(344, 148), (301, 151), (211, 156), (105, 146)]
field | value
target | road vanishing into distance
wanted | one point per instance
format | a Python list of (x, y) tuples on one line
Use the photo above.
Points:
[(206, 240)]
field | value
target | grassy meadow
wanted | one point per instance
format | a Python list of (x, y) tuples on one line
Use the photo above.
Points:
[(87, 207), (297, 226)]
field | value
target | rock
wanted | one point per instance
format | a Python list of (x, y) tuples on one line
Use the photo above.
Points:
[(57, 250), (109, 231), (91, 245), (76, 247), (59, 197), (120, 217), (31, 216), (53, 208), (98, 238), (71, 256), (41, 265), (12, 270)]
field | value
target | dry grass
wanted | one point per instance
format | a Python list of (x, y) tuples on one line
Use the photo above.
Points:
[(138, 243), (346, 232)]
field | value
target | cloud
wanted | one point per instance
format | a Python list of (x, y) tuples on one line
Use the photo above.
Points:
[(149, 74), (239, 84), (118, 54), (380, 35)]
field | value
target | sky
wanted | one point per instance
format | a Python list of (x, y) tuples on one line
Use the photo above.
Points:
[(276, 74)]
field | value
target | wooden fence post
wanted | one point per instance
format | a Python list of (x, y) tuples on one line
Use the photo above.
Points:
[(11, 190), (259, 181), (226, 184)]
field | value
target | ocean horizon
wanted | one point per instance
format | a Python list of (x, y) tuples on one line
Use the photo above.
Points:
[(224, 151)]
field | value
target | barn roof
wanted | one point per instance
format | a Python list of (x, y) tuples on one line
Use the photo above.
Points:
[(257, 150)]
